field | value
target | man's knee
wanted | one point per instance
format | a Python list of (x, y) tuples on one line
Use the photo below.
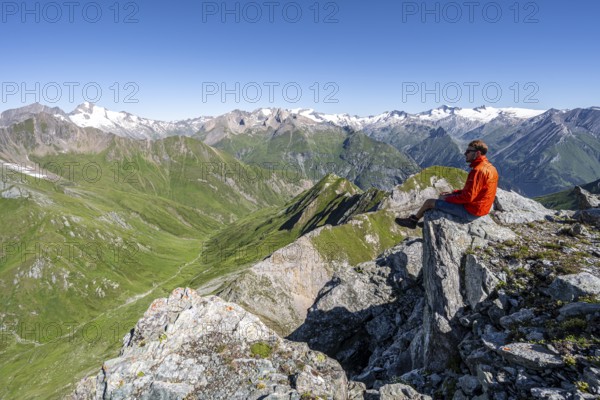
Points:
[(430, 203)]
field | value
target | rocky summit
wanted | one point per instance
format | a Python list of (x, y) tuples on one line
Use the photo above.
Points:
[(188, 346), (506, 307)]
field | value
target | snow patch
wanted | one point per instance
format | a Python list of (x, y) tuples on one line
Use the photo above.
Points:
[(24, 169)]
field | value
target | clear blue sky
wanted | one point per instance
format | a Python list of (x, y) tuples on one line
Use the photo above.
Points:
[(350, 56)]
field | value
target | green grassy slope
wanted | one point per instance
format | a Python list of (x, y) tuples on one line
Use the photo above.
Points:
[(362, 160), (332, 200), (567, 200), (84, 253)]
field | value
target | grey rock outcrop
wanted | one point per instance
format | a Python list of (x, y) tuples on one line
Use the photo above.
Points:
[(400, 391), (356, 315), (14, 192), (283, 286), (404, 202), (479, 281), (512, 208), (187, 346), (590, 216), (585, 199), (406, 259), (445, 243), (571, 287), (447, 323)]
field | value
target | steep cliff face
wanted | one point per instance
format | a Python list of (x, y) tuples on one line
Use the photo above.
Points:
[(282, 287), (356, 315)]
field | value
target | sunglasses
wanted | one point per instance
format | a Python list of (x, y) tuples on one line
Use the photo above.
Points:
[(470, 151)]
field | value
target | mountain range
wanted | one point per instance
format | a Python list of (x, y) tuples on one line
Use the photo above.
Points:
[(537, 152), (454, 120)]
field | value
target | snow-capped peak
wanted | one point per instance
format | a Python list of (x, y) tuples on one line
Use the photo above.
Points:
[(128, 125), (481, 114)]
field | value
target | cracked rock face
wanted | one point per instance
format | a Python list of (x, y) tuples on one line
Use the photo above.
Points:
[(479, 281), (283, 286), (366, 316), (189, 346), (357, 301), (446, 240)]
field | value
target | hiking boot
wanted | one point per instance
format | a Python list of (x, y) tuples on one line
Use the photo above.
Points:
[(410, 222)]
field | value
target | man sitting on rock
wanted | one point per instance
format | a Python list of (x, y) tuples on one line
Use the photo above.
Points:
[(474, 200)]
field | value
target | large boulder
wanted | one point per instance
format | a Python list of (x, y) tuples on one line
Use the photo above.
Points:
[(406, 202), (585, 199), (571, 287), (590, 216), (188, 346), (512, 208)]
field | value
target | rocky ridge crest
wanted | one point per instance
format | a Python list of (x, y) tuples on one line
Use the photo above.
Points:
[(506, 307)]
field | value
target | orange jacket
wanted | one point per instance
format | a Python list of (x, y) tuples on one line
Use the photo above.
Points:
[(480, 190)]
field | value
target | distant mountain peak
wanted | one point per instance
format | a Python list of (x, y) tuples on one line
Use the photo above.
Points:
[(445, 107), (20, 114), (397, 113), (125, 124), (84, 107), (439, 132)]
